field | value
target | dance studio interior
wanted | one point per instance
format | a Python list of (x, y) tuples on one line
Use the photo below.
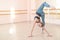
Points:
[(17, 17)]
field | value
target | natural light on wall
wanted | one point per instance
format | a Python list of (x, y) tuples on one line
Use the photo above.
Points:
[(12, 17), (12, 29), (12, 14), (57, 4)]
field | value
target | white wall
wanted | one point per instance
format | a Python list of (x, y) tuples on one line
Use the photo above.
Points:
[(17, 4), (5, 19), (6, 5), (22, 5)]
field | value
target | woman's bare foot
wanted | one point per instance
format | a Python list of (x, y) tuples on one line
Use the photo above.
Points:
[(49, 35), (30, 36)]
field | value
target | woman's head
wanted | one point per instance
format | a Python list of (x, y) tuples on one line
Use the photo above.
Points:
[(37, 19)]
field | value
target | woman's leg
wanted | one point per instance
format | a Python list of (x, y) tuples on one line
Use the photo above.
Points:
[(33, 28), (43, 29), (41, 25)]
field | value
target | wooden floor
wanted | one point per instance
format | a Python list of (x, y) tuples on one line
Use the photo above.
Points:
[(21, 31)]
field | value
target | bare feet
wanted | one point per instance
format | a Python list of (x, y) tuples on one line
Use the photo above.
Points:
[(30, 36), (49, 35)]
